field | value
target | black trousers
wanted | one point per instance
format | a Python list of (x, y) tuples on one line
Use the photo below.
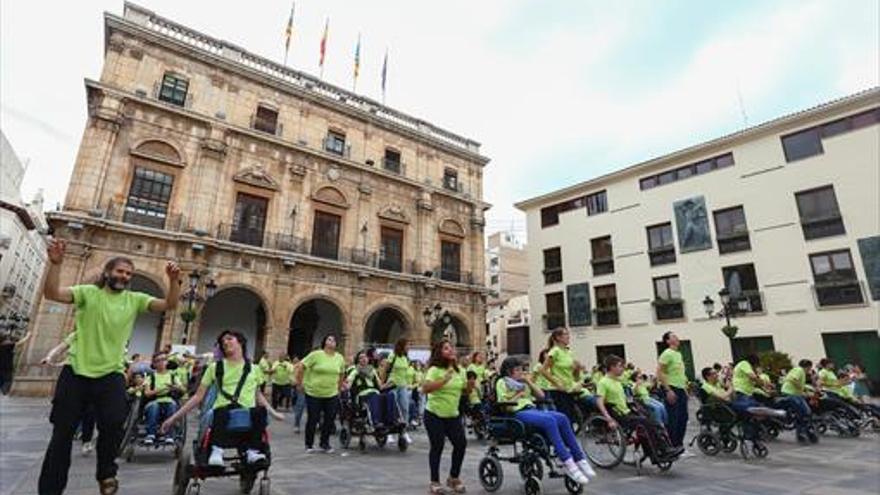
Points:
[(280, 395), (317, 407), (439, 429), (73, 393)]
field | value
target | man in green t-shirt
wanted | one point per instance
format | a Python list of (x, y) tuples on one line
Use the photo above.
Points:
[(282, 378), (670, 373), (105, 312), (794, 388)]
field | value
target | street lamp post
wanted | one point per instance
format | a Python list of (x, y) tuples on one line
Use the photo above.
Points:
[(436, 315), (731, 307), (192, 296), (13, 326)]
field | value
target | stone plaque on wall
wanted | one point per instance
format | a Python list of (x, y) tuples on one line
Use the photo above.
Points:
[(692, 224), (869, 248), (579, 311)]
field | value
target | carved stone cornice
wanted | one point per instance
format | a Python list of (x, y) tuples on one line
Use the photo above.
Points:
[(215, 148), (258, 177)]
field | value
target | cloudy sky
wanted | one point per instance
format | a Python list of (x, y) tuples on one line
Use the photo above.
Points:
[(558, 92)]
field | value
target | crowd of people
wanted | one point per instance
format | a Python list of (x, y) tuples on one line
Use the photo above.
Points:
[(396, 392)]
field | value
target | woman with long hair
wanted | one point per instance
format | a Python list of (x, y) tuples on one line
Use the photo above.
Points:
[(444, 385), (321, 377), (562, 370)]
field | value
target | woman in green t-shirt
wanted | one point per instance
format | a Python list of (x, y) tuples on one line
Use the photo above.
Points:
[(321, 377), (563, 371), (235, 365), (444, 385)]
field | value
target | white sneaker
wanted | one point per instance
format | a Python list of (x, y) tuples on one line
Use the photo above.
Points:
[(296, 430), (311, 450), (150, 440), (407, 438), (687, 453), (254, 456), (87, 448), (216, 458), (571, 469), (585, 468), (169, 440), (392, 439), (328, 450)]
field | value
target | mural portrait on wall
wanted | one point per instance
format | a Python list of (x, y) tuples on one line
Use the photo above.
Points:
[(692, 224), (579, 313)]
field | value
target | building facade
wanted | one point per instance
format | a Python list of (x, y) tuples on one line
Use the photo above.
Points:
[(507, 313), (785, 216), (312, 210), (22, 247)]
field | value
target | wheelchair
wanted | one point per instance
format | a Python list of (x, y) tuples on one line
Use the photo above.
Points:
[(354, 415), (609, 447), (531, 453), (723, 430), (475, 417), (834, 416), (192, 465), (135, 431)]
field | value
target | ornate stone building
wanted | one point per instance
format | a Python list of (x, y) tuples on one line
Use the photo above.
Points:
[(312, 209)]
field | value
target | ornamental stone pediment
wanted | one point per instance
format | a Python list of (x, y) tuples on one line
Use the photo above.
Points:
[(394, 213), (256, 176), (331, 196)]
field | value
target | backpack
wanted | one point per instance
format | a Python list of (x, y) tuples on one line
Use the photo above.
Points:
[(174, 394)]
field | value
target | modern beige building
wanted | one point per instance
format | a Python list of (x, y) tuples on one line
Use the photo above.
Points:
[(784, 215), (308, 209), (507, 313)]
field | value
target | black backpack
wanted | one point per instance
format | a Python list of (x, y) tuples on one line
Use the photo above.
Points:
[(174, 394)]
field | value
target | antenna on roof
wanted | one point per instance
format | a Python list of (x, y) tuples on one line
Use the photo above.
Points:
[(742, 106)]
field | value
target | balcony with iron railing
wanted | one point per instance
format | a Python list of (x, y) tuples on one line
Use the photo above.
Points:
[(838, 292), (154, 219)]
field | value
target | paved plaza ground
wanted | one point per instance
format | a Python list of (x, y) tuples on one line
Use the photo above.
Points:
[(835, 466)]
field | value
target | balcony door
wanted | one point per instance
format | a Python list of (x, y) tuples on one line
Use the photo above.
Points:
[(325, 235), (249, 221)]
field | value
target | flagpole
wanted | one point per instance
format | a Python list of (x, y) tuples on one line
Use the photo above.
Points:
[(324, 45), (384, 74), (357, 64), (289, 32)]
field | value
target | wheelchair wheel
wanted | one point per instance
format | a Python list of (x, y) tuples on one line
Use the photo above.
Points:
[(573, 487), (664, 466), (729, 444), (604, 446), (265, 486), (381, 440), (344, 437), (533, 486), (490, 473), (182, 475), (246, 481), (708, 443), (126, 447), (771, 429), (402, 444), (760, 450), (531, 466), (538, 443)]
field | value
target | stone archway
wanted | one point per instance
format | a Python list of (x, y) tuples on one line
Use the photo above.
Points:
[(233, 308), (310, 323), (147, 331), (385, 325), (452, 327)]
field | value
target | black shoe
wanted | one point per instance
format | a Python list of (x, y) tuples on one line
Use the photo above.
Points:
[(801, 438), (813, 437)]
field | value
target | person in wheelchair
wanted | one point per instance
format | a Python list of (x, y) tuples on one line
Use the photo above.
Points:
[(794, 390), (610, 392), (240, 409), (516, 388), (641, 393), (368, 394), (161, 392), (745, 381)]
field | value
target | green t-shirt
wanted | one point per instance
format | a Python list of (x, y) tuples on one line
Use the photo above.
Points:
[(714, 391), (231, 375), (674, 368), (563, 367), (282, 373), (163, 382), (828, 381), (846, 392), (640, 391), (760, 390), (181, 374), (398, 373), (505, 394), (443, 402), (540, 380), (321, 373), (794, 382), (626, 377), (368, 384), (612, 393), (596, 376), (265, 366), (104, 322), (742, 381), (480, 370)]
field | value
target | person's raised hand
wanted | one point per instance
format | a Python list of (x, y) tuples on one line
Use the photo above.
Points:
[(172, 271), (55, 250)]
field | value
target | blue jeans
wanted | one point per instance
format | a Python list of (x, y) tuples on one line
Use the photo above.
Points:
[(801, 409), (157, 411), (658, 410), (299, 406), (557, 428), (402, 395), (677, 419), (383, 408)]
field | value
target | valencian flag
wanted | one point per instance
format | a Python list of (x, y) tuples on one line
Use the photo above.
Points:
[(288, 33), (324, 45), (357, 60)]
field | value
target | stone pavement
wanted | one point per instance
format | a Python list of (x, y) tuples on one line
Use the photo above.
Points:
[(835, 466)]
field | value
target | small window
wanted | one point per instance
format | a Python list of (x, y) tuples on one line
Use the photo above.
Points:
[(742, 283), (148, 198), (603, 256), (668, 304), (552, 265), (606, 305), (731, 230), (835, 278), (724, 160), (703, 167), (549, 216), (391, 254), (803, 144), (266, 120), (685, 172), (450, 261), (865, 119), (325, 235), (819, 213), (555, 303), (493, 280), (391, 162), (173, 89), (450, 179), (661, 247), (832, 129), (597, 203), (648, 183), (335, 143), (666, 178)]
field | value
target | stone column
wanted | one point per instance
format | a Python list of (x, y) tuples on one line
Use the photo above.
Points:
[(208, 175)]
